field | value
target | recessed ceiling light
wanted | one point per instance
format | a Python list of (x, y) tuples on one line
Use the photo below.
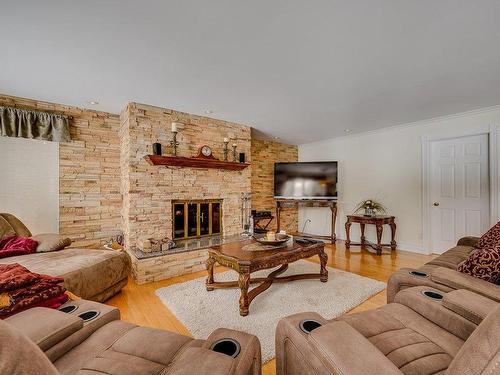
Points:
[(347, 130), (93, 102), (208, 111)]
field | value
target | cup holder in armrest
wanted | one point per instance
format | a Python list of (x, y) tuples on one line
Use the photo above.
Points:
[(68, 309), (309, 325), (433, 295), (89, 315), (227, 346), (418, 274)]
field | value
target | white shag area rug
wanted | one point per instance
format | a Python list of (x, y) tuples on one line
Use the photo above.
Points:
[(201, 312)]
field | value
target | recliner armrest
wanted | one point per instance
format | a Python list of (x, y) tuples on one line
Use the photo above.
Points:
[(45, 327), (471, 306), (346, 351), (248, 361), (458, 280)]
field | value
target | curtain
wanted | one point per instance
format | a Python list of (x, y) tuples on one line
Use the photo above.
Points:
[(22, 123)]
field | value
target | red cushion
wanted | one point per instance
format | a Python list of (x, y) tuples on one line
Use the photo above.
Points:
[(483, 264), (491, 238), (17, 245)]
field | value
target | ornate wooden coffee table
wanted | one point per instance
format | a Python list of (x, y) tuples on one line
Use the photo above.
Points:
[(232, 255)]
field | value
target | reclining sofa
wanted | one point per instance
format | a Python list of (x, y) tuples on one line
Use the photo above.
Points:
[(441, 273), (90, 274), (423, 332), (88, 338)]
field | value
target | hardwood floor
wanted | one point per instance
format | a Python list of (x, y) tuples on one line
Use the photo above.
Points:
[(138, 303)]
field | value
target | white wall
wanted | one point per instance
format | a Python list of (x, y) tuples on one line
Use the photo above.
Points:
[(386, 165), (29, 182)]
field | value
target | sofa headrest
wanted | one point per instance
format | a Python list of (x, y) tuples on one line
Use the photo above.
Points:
[(11, 225)]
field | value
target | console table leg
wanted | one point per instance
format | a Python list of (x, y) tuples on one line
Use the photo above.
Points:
[(333, 208), (379, 239), (278, 212), (393, 235), (210, 270), (363, 238), (244, 283), (347, 232)]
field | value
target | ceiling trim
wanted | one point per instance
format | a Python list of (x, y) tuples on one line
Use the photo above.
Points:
[(426, 122)]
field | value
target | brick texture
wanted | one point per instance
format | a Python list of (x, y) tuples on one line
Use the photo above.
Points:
[(264, 155), (106, 187), (89, 172), (148, 190)]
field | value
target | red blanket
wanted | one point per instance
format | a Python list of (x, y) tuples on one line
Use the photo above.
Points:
[(53, 303), (17, 245), (21, 289), (13, 276)]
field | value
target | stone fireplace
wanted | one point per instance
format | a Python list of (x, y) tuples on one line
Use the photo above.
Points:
[(208, 201)]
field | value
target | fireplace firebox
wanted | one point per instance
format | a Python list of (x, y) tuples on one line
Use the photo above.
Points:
[(196, 218)]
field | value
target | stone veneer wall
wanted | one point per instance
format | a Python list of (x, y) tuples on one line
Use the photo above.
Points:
[(264, 155), (89, 172), (149, 190), (104, 161)]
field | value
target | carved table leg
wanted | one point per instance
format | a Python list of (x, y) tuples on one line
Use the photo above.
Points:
[(333, 208), (210, 270), (393, 235), (244, 283), (347, 232), (379, 239), (323, 258), (362, 226), (278, 216)]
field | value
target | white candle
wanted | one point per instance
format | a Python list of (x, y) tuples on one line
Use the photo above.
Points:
[(174, 126), (226, 140)]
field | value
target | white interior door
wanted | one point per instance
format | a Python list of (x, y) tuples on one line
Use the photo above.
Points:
[(459, 190)]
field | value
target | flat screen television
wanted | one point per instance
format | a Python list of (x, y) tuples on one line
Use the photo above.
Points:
[(306, 180)]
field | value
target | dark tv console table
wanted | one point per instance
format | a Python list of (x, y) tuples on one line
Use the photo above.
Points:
[(283, 203)]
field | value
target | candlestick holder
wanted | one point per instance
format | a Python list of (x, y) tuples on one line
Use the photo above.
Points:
[(174, 143), (226, 150), (234, 154)]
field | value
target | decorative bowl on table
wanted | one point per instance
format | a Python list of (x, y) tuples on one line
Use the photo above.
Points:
[(277, 239)]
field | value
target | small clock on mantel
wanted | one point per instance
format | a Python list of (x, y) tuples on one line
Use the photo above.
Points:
[(205, 152)]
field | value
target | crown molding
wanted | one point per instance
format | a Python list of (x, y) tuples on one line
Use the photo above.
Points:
[(405, 125)]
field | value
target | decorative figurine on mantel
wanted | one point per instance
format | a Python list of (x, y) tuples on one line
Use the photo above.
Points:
[(226, 151), (234, 153), (370, 208), (173, 142)]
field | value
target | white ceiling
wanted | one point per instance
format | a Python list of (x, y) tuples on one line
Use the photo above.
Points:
[(302, 70)]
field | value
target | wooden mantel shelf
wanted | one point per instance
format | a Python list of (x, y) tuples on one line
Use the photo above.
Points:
[(179, 161)]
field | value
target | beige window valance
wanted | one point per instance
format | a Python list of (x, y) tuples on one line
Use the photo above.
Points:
[(23, 123)]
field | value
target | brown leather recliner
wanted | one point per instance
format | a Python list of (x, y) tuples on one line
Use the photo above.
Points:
[(441, 273), (417, 334), (89, 339)]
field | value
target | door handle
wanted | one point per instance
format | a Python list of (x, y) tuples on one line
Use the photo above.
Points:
[(436, 204)]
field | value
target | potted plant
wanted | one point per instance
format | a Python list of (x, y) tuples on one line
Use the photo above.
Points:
[(370, 207)]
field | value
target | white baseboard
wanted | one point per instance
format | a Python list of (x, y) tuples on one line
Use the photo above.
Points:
[(412, 248)]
